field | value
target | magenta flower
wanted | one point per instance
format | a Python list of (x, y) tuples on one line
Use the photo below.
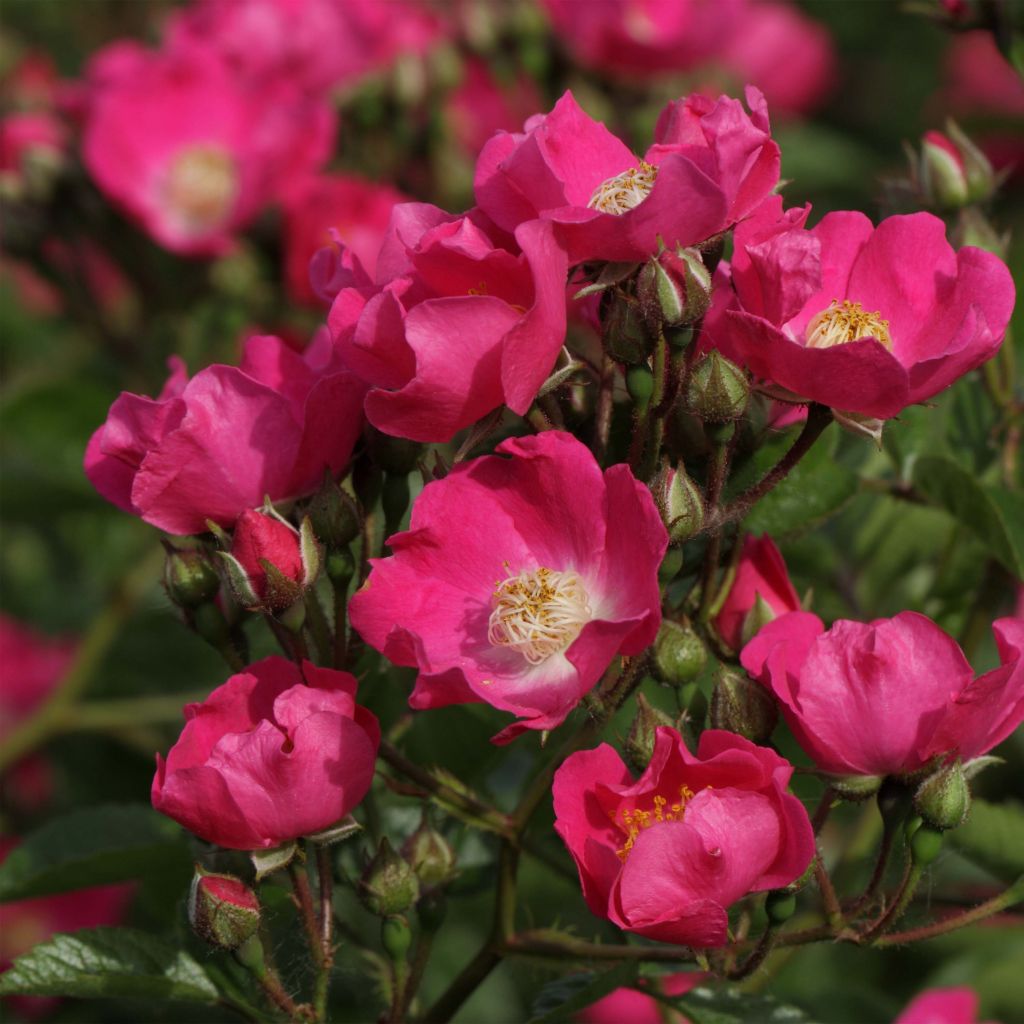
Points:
[(190, 151), (665, 855), (216, 445), (458, 324), (273, 754), (886, 697), (631, 1006), (865, 320), (942, 1006), (518, 581), (712, 163)]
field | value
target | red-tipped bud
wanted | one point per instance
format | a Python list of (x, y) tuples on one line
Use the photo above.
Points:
[(674, 288), (222, 910), (953, 170)]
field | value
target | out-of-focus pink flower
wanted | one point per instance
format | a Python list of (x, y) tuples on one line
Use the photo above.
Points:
[(32, 84), (275, 753), (316, 43), (30, 288), (645, 37), (325, 207), (787, 55), (665, 855), (458, 324), (481, 105), (942, 1006), (26, 923), (885, 697), (761, 579), (192, 152), (518, 581), (26, 140), (213, 446), (866, 320), (629, 1006), (711, 164)]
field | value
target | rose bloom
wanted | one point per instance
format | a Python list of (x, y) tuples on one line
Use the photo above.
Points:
[(333, 206), (190, 151), (213, 446), (459, 323), (628, 1006), (29, 141), (711, 164), (760, 573), (665, 855), (867, 320), (886, 697), (942, 1006), (273, 754), (518, 581)]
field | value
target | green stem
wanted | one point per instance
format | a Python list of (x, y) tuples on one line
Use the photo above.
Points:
[(603, 410), (304, 901), (757, 957), (325, 879), (339, 592), (416, 970), (319, 628), (904, 894), (718, 470), (526, 944), (829, 900), (659, 409)]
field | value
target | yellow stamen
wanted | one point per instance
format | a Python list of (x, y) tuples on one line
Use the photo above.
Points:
[(201, 187), (633, 820), (624, 191), (844, 322)]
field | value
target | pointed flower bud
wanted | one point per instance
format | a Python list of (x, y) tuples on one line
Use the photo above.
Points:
[(759, 615), (742, 706), (430, 856), (623, 332), (640, 741), (190, 576), (925, 844), (718, 389), (944, 799), (680, 503), (954, 171), (674, 288), (222, 910), (679, 654), (334, 515), (640, 385), (780, 905), (271, 563), (389, 885)]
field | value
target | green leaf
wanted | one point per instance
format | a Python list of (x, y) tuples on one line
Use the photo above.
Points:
[(119, 963), (111, 843), (993, 836), (704, 1005), (561, 998), (995, 516)]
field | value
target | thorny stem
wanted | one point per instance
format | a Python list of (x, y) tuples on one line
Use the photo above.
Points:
[(304, 901), (757, 956), (603, 410), (718, 470), (884, 849), (901, 900), (829, 899), (318, 627), (325, 877), (565, 948), (823, 809)]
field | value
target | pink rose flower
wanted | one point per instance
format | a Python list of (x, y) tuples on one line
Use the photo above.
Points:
[(645, 37), (886, 697), (273, 754), (665, 855), (711, 164), (262, 542), (458, 323), (190, 151), (518, 581), (942, 1006), (867, 320), (213, 446), (358, 211), (761, 573), (27, 139), (629, 1006)]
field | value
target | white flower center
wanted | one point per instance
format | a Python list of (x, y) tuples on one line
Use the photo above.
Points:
[(201, 187), (624, 191), (539, 613), (844, 322)]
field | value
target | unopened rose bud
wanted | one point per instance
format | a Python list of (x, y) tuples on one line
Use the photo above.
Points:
[(395, 937), (640, 385), (334, 515), (271, 563), (430, 856), (190, 577), (222, 910), (742, 706), (944, 799), (780, 905), (389, 885), (925, 844), (679, 654), (718, 391), (623, 332), (680, 503), (954, 171), (639, 746), (674, 288), (756, 619), (974, 228)]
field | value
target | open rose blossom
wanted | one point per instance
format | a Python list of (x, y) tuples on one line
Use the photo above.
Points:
[(213, 446), (518, 582), (191, 152), (867, 320), (630, 1006), (665, 855), (942, 1006), (711, 165), (273, 754), (457, 324), (761, 580), (885, 697)]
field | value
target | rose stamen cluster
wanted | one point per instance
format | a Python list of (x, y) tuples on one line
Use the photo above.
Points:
[(633, 820), (847, 321), (201, 188), (624, 191)]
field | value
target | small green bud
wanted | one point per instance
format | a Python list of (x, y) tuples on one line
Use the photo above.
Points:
[(780, 905), (718, 390), (640, 385), (680, 503), (679, 654), (389, 885), (339, 566), (639, 746), (674, 288), (623, 332), (395, 937), (190, 576), (334, 515), (394, 455), (925, 844), (430, 855), (760, 614), (222, 910), (944, 799), (742, 706)]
